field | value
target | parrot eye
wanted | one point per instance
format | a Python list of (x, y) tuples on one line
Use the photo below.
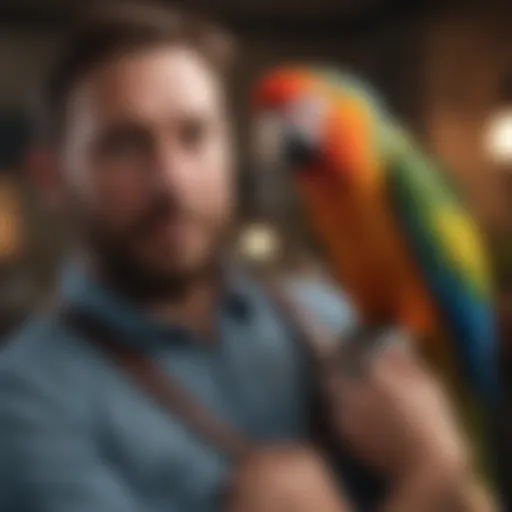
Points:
[(289, 138), (304, 131)]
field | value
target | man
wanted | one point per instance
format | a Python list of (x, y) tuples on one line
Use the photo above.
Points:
[(140, 161)]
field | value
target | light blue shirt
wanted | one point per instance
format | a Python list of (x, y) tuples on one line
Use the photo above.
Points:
[(77, 435)]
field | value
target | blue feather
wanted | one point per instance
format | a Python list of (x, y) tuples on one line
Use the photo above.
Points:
[(469, 317)]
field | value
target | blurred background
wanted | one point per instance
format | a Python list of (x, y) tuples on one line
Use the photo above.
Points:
[(444, 66)]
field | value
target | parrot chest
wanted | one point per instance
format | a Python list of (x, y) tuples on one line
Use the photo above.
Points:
[(368, 255)]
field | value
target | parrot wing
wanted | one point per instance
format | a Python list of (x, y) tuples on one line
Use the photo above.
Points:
[(448, 251)]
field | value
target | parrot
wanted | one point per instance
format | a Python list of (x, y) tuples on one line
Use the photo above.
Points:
[(396, 231)]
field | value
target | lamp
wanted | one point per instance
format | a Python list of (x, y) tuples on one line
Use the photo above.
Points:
[(499, 129), (499, 137)]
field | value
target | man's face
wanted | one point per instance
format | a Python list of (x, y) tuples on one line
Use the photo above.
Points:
[(147, 162)]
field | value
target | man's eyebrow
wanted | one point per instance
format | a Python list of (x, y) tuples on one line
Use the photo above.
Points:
[(187, 118), (125, 125), (136, 125), (119, 132)]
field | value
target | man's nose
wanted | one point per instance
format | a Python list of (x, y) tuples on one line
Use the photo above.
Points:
[(171, 166)]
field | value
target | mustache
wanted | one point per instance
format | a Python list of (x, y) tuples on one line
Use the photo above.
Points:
[(161, 209)]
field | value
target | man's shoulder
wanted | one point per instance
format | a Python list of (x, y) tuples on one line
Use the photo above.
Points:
[(328, 304), (29, 344), (40, 361), (34, 342)]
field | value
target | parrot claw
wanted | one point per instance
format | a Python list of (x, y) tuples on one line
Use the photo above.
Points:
[(365, 344)]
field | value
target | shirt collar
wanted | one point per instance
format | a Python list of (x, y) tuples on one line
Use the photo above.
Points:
[(80, 288)]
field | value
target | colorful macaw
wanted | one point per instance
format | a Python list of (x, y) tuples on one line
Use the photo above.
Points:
[(396, 232)]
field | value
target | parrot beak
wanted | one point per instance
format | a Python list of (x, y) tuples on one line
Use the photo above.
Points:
[(279, 145), (301, 152)]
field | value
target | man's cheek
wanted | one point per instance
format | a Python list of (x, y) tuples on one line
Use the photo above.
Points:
[(215, 212), (226, 202), (218, 188)]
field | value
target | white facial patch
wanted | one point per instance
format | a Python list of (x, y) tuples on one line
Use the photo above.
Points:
[(306, 115)]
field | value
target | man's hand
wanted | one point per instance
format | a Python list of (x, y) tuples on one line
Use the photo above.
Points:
[(396, 417)]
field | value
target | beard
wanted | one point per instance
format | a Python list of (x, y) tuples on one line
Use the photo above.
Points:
[(117, 257), (124, 273)]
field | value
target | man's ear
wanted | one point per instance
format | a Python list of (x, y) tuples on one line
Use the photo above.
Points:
[(44, 173)]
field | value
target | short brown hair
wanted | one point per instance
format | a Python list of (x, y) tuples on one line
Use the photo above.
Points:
[(107, 31)]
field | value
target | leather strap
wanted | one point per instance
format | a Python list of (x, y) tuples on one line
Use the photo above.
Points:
[(165, 389)]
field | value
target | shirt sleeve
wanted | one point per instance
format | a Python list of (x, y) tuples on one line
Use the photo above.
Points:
[(328, 304), (48, 461)]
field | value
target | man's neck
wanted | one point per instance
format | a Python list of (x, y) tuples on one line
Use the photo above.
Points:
[(194, 308)]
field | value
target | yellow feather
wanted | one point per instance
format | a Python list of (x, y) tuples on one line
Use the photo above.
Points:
[(463, 246)]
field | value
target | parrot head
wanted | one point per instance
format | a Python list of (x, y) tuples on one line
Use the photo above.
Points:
[(290, 116), (312, 123)]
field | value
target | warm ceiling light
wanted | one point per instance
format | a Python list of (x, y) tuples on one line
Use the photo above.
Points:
[(499, 137)]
